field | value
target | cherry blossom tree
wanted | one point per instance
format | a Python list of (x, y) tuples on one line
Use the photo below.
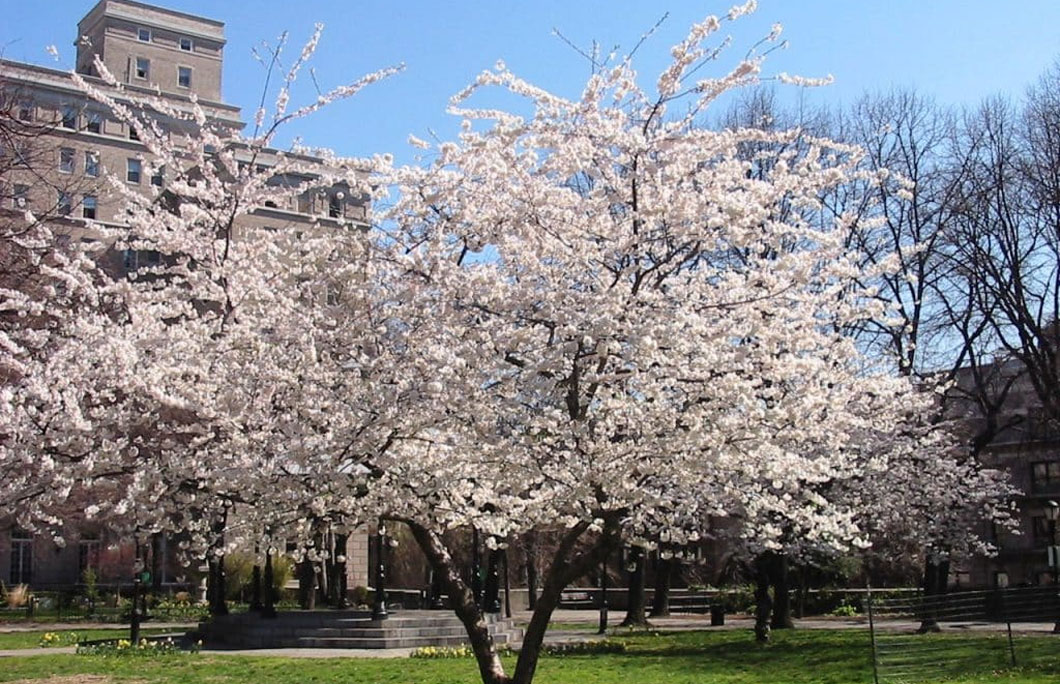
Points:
[(601, 319), (897, 214), (632, 329), (44, 278), (190, 398)]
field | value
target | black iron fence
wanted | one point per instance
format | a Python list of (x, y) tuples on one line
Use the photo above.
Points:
[(919, 638), (101, 603)]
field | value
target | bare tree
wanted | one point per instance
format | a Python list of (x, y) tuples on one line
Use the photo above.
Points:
[(1007, 239)]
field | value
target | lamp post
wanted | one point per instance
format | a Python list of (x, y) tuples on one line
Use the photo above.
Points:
[(476, 567), (492, 602), (436, 590), (379, 611), (268, 608), (256, 605), (1052, 512), (134, 620), (602, 628)]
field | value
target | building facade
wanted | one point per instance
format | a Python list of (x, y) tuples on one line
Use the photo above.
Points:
[(59, 168), (1024, 443)]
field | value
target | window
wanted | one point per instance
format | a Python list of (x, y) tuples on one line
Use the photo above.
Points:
[(1040, 532), (333, 294), (184, 76), (133, 168), (18, 149), (133, 134), (158, 177), (143, 68), (88, 555), (1045, 476), (25, 110), (335, 206), (88, 207), (92, 164), (129, 260), (94, 124), (62, 204), (1001, 579), (69, 118), (21, 557), (66, 160), (186, 45), (20, 197), (143, 35)]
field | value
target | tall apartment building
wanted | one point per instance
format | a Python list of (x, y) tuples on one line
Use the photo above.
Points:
[(58, 171), (1026, 445)]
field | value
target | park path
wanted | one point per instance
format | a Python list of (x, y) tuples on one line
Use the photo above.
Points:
[(11, 627), (675, 622)]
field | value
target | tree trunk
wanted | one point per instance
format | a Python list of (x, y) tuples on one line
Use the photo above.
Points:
[(778, 567), (338, 572), (216, 586), (530, 546), (565, 568), (216, 564), (307, 575), (929, 602), (462, 600), (763, 603), (157, 546), (660, 603), (636, 605), (800, 608), (561, 571)]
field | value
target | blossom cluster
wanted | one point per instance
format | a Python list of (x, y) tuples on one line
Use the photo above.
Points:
[(601, 317)]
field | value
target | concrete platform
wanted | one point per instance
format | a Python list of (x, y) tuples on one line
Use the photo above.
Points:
[(405, 629)]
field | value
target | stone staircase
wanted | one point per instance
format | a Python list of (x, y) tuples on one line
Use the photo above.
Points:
[(347, 629)]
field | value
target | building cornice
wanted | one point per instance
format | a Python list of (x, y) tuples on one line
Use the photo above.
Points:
[(113, 8), (61, 81)]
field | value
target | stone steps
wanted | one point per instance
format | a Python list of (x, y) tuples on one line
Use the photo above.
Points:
[(347, 629)]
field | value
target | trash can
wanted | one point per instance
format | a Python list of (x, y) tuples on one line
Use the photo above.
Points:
[(717, 615)]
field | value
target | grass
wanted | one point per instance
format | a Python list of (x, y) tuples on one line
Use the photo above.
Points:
[(31, 639), (720, 657)]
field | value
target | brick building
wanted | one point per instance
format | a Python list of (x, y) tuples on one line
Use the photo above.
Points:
[(154, 52), (1026, 445)]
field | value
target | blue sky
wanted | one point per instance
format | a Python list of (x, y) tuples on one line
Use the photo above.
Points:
[(958, 51)]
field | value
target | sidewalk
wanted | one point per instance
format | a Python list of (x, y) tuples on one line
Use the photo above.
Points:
[(676, 622), (11, 627)]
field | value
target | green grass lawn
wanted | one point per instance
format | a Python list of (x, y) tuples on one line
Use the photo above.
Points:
[(721, 657), (16, 640)]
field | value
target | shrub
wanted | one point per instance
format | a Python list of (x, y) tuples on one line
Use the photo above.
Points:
[(432, 652), (179, 610), (239, 568), (591, 647), (17, 596), (282, 572), (52, 639), (88, 579), (359, 596), (239, 574), (585, 647), (123, 648)]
